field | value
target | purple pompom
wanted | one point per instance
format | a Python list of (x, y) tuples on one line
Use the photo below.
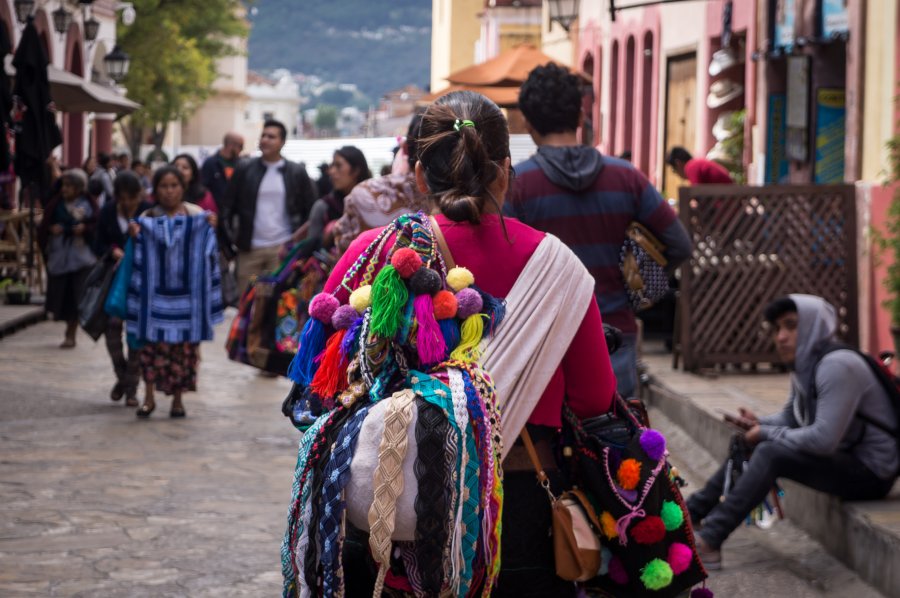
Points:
[(344, 317), (654, 444), (323, 306), (702, 593), (470, 303)]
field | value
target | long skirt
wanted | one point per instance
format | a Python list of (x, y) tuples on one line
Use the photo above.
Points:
[(63, 294), (171, 367)]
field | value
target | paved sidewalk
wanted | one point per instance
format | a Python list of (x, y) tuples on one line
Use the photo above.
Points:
[(94, 502)]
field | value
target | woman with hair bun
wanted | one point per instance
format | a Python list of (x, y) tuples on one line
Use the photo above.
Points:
[(464, 169)]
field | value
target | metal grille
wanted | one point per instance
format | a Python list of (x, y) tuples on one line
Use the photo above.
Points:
[(752, 245)]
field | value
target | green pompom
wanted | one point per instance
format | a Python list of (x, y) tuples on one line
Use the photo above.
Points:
[(389, 295), (656, 575), (672, 515)]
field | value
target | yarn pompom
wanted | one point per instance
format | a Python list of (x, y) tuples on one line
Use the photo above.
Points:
[(361, 298), (702, 593), (452, 335), (445, 305), (654, 444), (430, 341), (459, 278), (469, 303), (471, 332), (680, 557), (629, 474), (494, 308), (608, 524), (425, 281), (656, 575), (605, 557), (323, 306), (672, 515), (617, 571), (344, 317), (406, 261), (649, 531)]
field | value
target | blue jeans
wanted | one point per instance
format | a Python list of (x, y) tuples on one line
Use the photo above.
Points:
[(624, 364)]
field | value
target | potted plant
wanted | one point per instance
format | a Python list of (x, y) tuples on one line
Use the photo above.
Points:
[(18, 293), (890, 242)]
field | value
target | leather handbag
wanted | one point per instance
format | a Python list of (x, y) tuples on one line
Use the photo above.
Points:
[(643, 267), (576, 541)]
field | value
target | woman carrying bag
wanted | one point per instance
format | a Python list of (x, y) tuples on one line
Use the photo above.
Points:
[(548, 348)]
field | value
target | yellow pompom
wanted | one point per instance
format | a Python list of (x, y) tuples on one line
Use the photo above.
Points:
[(460, 278), (608, 523), (361, 298)]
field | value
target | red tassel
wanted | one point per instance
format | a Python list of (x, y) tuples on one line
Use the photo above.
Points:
[(331, 377)]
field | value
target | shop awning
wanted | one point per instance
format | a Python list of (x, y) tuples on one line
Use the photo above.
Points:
[(510, 68), (73, 94), (505, 97)]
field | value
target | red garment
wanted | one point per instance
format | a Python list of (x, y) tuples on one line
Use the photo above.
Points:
[(585, 377), (208, 203), (700, 171)]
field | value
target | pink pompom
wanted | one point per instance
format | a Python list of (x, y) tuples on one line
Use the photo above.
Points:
[(323, 306), (406, 262), (430, 341), (680, 557), (702, 593), (344, 317), (654, 444), (617, 571), (469, 303)]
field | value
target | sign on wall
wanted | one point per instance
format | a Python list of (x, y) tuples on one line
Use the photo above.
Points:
[(835, 20), (776, 139), (798, 108), (785, 13), (830, 133)]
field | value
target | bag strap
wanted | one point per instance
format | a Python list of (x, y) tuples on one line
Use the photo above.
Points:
[(542, 478), (442, 243)]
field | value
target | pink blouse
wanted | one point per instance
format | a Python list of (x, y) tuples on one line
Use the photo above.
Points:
[(584, 378)]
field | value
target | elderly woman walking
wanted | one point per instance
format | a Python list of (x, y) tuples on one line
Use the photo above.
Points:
[(66, 235)]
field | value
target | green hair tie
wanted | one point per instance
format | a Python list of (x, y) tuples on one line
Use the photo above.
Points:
[(459, 124)]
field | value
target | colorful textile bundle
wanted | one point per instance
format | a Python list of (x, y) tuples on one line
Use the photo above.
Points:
[(407, 443), (648, 544)]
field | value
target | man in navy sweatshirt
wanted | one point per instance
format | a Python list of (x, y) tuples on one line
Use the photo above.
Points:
[(587, 200), (836, 433)]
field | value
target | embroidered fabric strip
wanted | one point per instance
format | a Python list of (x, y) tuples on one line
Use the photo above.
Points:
[(469, 514)]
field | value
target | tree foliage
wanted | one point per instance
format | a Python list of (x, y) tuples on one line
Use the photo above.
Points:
[(174, 46), (326, 117)]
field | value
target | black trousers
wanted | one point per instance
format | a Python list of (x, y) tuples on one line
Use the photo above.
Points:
[(128, 369), (840, 474)]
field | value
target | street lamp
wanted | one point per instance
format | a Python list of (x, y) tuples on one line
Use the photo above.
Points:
[(62, 18), (563, 12), (91, 29), (117, 63), (23, 9)]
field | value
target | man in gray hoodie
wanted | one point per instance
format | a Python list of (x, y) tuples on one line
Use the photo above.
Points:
[(835, 434)]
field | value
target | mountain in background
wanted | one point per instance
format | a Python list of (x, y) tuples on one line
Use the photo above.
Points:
[(379, 45)]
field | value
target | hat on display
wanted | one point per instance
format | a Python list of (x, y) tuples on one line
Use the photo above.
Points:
[(722, 60), (725, 127), (723, 91), (718, 154)]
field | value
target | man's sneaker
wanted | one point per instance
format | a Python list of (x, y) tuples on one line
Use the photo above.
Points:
[(711, 557)]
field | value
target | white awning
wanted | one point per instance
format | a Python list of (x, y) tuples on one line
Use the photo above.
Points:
[(71, 93)]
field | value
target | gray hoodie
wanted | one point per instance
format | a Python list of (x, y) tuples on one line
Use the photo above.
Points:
[(572, 167), (845, 385)]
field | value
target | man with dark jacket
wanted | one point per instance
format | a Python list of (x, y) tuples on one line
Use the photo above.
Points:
[(218, 168), (587, 200), (267, 199), (836, 433)]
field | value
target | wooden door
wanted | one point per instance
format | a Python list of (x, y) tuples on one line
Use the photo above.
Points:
[(681, 110)]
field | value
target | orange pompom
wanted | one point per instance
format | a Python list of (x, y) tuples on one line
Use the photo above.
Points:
[(629, 474), (608, 523), (444, 305), (406, 262)]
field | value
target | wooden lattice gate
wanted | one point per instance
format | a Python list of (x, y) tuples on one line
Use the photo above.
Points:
[(752, 245)]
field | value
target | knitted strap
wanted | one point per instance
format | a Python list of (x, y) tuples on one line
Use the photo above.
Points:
[(388, 481), (469, 513)]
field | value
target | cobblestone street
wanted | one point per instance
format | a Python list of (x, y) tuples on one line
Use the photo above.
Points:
[(94, 502)]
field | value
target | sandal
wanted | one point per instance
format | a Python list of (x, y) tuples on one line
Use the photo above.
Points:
[(177, 412), (144, 412)]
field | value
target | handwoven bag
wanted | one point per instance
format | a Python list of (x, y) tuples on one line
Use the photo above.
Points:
[(643, 267)]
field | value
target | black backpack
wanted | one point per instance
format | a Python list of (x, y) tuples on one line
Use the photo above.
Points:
[(885, 377)]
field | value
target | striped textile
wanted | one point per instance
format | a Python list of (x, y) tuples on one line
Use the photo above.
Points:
[(592, 223), (175, 291)]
